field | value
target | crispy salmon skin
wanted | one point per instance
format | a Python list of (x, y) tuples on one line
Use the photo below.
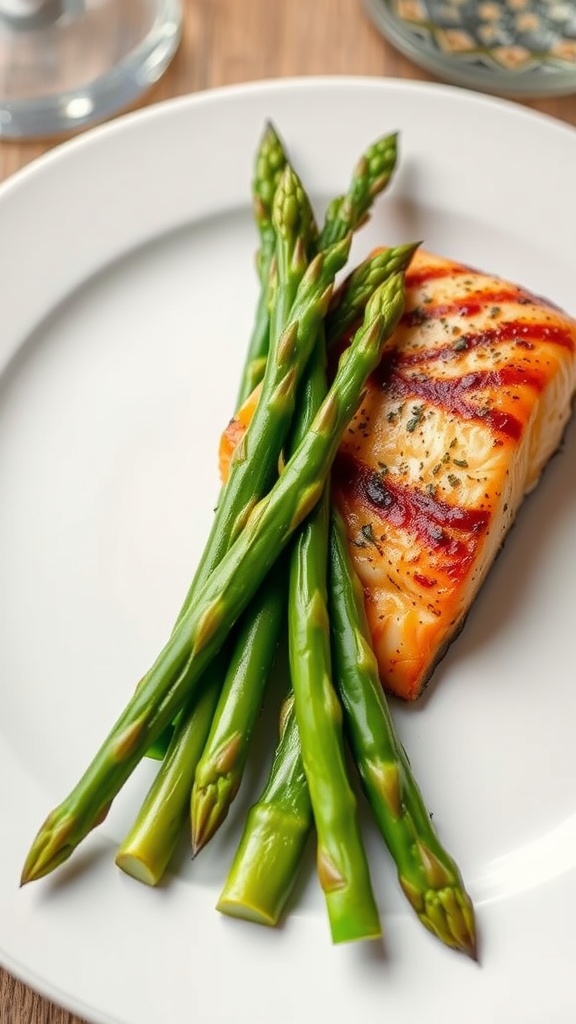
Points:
[(468, 404)]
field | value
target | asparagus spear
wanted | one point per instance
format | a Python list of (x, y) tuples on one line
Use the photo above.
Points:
[(268, 832), (370, 177), (285, 222), (221, 600), (292, 226), (341, 860), (304, 297), (427, 874), (349, 300), (219, 770), (254, 465), (345, 213), (279, 203), (147, 849), (216, 784), (301, 294), (270, 162), (270, 851)]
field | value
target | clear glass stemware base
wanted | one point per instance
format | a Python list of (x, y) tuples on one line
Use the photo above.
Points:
[(66, 64)]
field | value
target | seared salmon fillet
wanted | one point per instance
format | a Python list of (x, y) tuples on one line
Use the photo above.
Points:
[(468, 404)]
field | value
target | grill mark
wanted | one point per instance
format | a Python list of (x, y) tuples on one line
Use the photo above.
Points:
[(524, 334), (450, 393), (416, 276), (452, 531), (469, 305)]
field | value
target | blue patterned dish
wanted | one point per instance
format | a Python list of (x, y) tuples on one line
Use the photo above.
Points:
[(517, 47)]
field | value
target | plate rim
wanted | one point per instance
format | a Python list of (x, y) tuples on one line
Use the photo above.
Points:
[(205, 97)]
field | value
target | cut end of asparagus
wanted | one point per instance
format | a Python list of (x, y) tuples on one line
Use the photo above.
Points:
[(242, 909), (137, 868), (265, 865)]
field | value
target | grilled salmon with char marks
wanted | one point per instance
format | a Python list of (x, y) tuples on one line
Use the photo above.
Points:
[(470, 401)]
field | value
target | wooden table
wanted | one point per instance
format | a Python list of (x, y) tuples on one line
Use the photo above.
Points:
[(227, 41)]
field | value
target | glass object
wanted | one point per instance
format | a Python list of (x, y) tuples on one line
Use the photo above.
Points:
[(520, 48), (66, 64)]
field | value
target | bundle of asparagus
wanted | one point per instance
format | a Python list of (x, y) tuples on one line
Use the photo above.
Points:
[(276, 549)]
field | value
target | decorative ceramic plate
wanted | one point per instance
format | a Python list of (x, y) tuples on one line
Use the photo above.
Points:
[(514, 47)]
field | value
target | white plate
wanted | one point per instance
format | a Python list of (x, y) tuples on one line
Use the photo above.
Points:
[(127, 297)]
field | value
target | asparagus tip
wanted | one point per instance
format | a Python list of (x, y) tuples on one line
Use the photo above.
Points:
[(47, 852), (449, 915), (472, 952), (269, 129), (56, 840), (209, 808), (467, 945)]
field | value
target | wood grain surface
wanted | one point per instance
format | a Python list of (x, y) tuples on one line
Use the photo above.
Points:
[(228, 41)]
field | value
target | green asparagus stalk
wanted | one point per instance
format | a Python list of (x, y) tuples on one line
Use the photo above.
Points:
[(345, 213), (370, 177), (222, 599), (270, 162), (147, 849), (295, 231), (286, 226), (254, 465), (428, 875), (341, 859), (303, 293), (237, 683), (349, 300), (267, 833), (220, 768), (266, 863), (293, 228), (215, 787)]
